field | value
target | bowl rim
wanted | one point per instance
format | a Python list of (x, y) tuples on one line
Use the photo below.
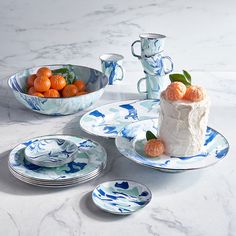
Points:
[(58, 64)]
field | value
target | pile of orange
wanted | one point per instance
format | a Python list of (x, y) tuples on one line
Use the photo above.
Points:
[(45, 84), (177, 91)]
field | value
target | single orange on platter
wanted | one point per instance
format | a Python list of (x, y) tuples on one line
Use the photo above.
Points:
[(42, 83), (44, 71), (175, 91), (38, 94), (70, 90), (30, 80), (31, 91), (51, 93), (80, 85), (154, 148), (195, 93), (58, 82)]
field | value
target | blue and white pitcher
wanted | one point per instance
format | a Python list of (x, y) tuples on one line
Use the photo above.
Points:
[(112, 67)]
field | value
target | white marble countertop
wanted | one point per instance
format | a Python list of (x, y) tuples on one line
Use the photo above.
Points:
[(201, 39)]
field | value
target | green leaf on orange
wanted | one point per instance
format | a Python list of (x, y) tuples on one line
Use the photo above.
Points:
[(180, 78), (150, 135)]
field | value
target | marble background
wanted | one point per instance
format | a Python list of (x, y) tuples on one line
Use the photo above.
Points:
[(201, 38)]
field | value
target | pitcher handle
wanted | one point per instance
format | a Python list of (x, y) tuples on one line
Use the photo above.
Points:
[(138, 86), (171, 64), (132, 49), (122, 72)]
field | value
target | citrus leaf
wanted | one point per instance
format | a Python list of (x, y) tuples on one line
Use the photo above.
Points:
[(179, 78), (150, 135), (187, 75), (66, 73)]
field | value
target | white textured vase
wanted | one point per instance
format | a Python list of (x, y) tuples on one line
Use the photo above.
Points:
[(183, 125)]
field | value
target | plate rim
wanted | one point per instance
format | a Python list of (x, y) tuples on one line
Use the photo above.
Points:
[(106, 105)]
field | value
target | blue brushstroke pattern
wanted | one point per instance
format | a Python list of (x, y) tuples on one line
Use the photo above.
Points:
[(203, 154), (221, 153), (124, 194), (30, 166), (132, 111), (144, 194), (75, 167), (123, 185), (111, 65), (165, 163), (97, 113), (210, 135), (125, 135), (86, 144), (110, 130), (101, 192)]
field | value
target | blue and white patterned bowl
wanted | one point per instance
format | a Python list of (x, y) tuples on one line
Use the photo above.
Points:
[(95, 82), (52, 152), (122, 197), (131, 139)]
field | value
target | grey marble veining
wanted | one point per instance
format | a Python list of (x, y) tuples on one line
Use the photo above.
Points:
[(200, 38)]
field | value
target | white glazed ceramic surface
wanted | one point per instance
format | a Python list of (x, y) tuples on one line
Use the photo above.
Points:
[(95, 82), (108, 120), (121, 197), (51, 152), (131, 139)]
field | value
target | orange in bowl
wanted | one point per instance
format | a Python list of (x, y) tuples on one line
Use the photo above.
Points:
[(70, 90), (175, 91), (44, 71), (31, 91), (58, 82), (80, 85), (30, 80), (51, 93), (42, 83), (38, 94)]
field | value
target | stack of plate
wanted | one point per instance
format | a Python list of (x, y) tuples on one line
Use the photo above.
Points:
[(89, 163)]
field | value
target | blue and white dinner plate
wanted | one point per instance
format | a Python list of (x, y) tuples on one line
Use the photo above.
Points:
[(108, 120), (121, 197), (90, 161), (51, 152), (131, 139)]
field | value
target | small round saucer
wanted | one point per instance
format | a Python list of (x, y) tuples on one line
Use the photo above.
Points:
[(51, 152), (122, 197)]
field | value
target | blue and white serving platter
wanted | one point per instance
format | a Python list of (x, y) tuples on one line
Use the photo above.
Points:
[(51, 152), (108, 120), (90, 161), (131, 139), (122, 197)]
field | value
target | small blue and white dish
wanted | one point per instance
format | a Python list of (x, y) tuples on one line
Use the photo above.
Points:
[(52, 152), (95, 82), (122, 197), (131, 140)]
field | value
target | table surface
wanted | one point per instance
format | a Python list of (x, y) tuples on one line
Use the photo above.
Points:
[(200, 39)]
